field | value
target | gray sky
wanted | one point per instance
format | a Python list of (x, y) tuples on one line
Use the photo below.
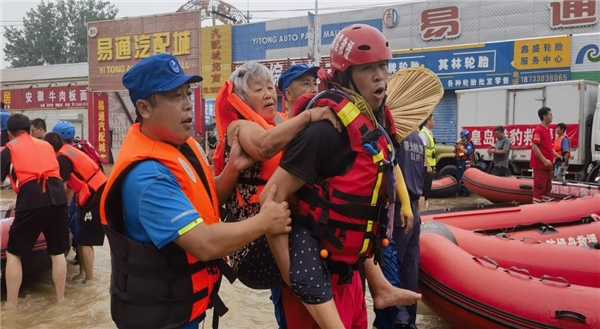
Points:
[(13, 11)]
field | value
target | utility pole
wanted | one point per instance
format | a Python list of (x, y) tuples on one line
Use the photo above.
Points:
[(317, 50)]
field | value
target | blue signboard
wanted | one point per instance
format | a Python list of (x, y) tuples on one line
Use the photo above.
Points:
[(252, 41), (485, 65)]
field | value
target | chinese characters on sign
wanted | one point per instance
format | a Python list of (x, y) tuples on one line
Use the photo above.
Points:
[(580, 241), (520, 136), (120, 44), (440, 23), (101, 107), (542, 53), (54, 97), (177, 43), (572, 13), (216, 58)]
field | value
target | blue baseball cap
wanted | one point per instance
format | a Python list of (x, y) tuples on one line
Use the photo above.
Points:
[(292, 73), (157, 73)]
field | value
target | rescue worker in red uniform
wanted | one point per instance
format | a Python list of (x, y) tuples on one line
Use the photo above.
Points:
[(160, 208), (341, 183), (85, 179), (541, 157), (41, 206)]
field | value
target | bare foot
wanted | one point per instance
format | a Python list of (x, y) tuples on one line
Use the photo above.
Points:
[(77, 277), (10, 307), (60, 300), (392, 296)]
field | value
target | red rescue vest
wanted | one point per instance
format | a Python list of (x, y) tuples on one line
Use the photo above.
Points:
[(182, 287), (349, 212), (31, 159), (86, 177)]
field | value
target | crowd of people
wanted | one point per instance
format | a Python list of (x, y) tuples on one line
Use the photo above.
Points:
[(309, 203)]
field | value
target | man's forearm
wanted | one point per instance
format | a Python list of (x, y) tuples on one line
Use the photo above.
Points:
[(225, 182)]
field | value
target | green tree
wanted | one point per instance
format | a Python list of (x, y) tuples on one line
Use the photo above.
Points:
[(55, 32)]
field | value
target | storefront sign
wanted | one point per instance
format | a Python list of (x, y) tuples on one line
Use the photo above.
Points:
[(100, 122), (43, 98), (216, 58), (489, 64), (585, 57), (115, 46), (572, 13), (254, 41), (440, 23), (520, 136)]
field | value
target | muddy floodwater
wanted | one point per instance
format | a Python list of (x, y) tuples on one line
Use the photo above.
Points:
[(88, 305)]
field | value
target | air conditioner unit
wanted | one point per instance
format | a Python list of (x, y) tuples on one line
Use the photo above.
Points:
[(70, 116)]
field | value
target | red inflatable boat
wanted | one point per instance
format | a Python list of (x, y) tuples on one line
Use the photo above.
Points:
[(520, 189), (473, 291), (489, 217), (445, 187), (572, 264)]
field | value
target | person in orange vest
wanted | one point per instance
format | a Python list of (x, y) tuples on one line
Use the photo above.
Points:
[(248, 102), (562, 151), (161, 206), (41, 206), (463, 153), (85, 179), (341, 183)]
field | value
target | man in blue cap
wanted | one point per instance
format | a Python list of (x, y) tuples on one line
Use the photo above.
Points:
[(160, 208), (297, 80)]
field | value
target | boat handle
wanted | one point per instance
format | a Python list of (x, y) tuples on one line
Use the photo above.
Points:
[(518, 270), (590, 218), (546, 229), (533, 240), (571, 315), (488, 259), (557, 278), (503, 236)]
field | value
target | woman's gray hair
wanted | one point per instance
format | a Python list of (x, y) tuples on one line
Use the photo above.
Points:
[(250, 70)]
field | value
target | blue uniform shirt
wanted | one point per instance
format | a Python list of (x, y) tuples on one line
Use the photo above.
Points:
[(156, 209), (411, 157)]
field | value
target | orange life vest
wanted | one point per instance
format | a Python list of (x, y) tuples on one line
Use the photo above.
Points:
[(31, 159), (557, 147), (168, 287), (229, 107), (86, 177)]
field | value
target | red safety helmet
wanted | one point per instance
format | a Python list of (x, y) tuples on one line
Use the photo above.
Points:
[(358, 44)]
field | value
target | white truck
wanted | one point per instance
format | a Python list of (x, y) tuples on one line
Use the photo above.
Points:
[(574, 103)]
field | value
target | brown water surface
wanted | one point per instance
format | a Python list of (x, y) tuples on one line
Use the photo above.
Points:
[(88, 305)]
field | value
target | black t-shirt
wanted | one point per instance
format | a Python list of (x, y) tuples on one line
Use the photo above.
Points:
[(318, 152), (66, 169), (212, 142), (30, 194)]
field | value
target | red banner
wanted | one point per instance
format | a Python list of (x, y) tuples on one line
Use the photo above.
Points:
[(99, 134), (40, 98), (520, 135)]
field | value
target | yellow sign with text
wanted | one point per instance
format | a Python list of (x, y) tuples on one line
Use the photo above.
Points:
[(216, 58), (542, 53)]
